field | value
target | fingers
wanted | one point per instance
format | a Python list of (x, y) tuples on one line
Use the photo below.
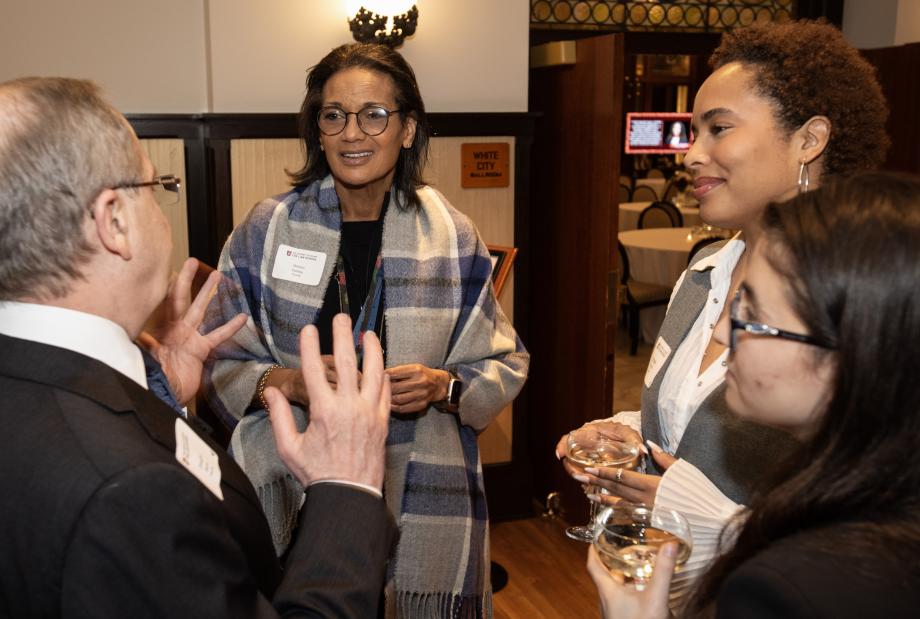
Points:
[(312, 368), (599, 574), (147, 341), (343, 346), (660, 582), (661, 457), (403, 372), (604, 499), (372, 368), (632, 486), (226, 330), (196, 310), (181, 292), (560, 447)]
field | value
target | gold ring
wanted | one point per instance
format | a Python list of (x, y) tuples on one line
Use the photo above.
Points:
[(619, 476)]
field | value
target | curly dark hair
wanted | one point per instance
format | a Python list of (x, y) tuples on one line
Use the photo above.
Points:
[(806, 68), (386, 61)]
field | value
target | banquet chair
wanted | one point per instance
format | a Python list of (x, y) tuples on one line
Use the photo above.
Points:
[(671, 190), (660, 215), (644, 193), (655, 173), (638, 296), (626, 180), (625, 194), (700, 245)]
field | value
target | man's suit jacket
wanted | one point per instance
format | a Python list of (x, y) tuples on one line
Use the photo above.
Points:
[(100, 520)]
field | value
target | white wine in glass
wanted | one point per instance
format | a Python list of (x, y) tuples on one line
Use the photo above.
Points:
[(592, 445), (629, 536)]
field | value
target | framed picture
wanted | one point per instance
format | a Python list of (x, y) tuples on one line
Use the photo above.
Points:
[(502, 259)]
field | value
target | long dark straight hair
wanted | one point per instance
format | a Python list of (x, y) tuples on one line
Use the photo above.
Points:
[(851, 252), (383, 60)]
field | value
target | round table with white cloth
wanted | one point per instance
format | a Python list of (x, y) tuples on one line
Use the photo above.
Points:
[(630, 211), (659, 256)]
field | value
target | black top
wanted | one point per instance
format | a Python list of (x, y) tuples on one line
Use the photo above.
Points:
[(360, 243), (822, 573)]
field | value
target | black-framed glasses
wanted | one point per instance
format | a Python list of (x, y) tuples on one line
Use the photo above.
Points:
[(372, 119), (758, 328), (165, 188)]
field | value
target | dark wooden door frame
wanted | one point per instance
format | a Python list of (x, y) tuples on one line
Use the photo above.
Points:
[(576, 161)]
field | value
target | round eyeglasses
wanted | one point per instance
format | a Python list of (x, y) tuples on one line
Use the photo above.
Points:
[(372, 119), (165, 188), (758, 328)]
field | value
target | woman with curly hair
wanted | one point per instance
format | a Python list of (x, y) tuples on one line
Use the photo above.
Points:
[(817, 335), (786, 108)]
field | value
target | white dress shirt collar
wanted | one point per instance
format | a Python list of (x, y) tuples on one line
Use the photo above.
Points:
[(683, 389), (79, 332)]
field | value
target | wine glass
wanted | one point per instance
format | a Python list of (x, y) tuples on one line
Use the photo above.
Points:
[(628, 537), (591, 445)]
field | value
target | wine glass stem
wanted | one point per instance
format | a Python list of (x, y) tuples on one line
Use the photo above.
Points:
[(592, 514)]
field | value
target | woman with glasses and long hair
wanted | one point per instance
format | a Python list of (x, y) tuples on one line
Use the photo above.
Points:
[(822, 336), (786, 108), (360, 233)]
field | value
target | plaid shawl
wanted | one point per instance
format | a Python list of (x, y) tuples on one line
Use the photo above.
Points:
[(440, 311)]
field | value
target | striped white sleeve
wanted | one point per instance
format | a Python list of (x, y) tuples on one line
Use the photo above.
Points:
[(686, 489)]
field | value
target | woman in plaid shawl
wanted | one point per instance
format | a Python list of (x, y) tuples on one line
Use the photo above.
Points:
[(360, 233)]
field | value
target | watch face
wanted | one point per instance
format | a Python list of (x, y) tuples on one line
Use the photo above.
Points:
[(453, 391)]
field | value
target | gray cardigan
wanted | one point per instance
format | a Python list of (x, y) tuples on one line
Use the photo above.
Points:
[(736, 455)]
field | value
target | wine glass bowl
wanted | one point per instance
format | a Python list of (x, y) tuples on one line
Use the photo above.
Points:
[(628, 537), (594, 445)]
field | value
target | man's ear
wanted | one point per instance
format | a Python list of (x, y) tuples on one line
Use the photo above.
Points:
[(109, 213), (813, 137)]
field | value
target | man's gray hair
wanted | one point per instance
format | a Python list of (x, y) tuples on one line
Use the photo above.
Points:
[(61, 144)]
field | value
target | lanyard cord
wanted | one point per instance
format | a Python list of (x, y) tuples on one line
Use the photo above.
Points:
[(369, 309)]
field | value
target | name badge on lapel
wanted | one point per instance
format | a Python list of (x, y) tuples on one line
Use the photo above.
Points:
[(300, 266), (660, 354), (198, 458)]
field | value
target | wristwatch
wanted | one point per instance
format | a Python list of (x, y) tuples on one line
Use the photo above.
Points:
[(451, 402)]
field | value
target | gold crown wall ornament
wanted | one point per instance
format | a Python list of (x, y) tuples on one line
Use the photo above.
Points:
[(370, 27)]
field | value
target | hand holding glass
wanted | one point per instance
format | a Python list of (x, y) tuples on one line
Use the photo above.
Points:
[(590, 445), (629, 536)]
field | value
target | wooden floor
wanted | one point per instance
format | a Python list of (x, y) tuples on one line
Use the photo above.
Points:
[(546, 572), (547, 577)]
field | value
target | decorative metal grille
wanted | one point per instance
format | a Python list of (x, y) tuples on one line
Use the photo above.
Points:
[(659, 15)]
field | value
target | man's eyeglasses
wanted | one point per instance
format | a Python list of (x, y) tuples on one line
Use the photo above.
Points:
[(757, 328), (372, 119), (165, 188)]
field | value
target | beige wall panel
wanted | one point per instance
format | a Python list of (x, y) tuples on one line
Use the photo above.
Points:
[(257, 170), (168, 157), (468, 55), (150, 57)]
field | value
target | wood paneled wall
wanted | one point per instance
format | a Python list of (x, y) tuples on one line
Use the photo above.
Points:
[(257, 170), (168, 157)]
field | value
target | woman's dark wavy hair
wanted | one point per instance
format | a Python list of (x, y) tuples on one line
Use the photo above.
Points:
[(385, 61), (806, 69), (851, 252)]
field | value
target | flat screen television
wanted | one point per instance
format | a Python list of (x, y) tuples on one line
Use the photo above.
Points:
[(657, 133)]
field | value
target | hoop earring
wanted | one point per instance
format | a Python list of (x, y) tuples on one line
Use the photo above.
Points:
[(803, 177)]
